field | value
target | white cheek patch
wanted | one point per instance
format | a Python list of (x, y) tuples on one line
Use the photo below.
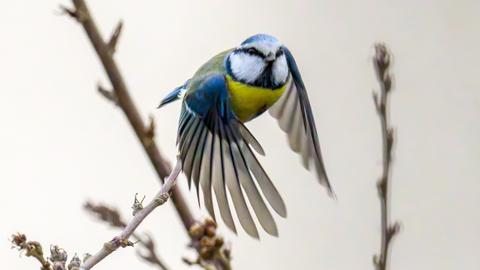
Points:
[(246, 67), (280, 70)]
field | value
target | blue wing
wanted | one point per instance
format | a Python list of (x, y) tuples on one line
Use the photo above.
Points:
[(295, 117), (174, 95), (216, 151)]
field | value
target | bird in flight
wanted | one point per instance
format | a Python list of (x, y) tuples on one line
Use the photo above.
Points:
[(217, 149)]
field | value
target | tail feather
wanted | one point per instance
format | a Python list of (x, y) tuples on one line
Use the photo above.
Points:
[(174, 95)]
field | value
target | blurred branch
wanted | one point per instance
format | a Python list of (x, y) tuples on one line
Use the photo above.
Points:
[(149, 255), (381, 62), (219, 255), (112, 43), (108, 94), (112, 217), (120, 95), (122, 240)]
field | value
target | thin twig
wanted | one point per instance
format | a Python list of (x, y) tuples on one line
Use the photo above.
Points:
[(112, 43), (112, 217), (108, 94), (122, 239), (82, 14), (381, 62)]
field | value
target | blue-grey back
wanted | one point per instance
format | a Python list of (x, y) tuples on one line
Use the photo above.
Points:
[(213, 66)]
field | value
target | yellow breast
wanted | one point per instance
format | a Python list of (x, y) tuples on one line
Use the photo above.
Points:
[(250, 101)]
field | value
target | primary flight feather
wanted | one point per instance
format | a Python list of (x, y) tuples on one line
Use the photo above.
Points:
[(217, 150)]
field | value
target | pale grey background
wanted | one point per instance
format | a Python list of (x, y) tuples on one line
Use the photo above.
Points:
[(60, 143)]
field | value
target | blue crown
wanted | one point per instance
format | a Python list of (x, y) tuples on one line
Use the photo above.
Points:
[(259, 37)]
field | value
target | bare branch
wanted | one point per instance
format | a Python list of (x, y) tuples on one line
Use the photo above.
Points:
[(76, 14), (381, 63), (112, 44), (160, 164), (108, 94), (149, 254), (144, 134), (68, 11), (122, 240), (112, 217), (107, 214)]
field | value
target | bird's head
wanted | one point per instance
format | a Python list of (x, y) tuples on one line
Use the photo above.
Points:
[(259, 61)]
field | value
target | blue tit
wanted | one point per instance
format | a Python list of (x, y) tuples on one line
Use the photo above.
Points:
[(217, 149)]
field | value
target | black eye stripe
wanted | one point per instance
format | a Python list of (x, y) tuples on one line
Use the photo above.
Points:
[(252, 51), (279, 52)]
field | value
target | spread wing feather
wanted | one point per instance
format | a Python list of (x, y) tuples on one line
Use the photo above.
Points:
[(295, 117), (216, 152)]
